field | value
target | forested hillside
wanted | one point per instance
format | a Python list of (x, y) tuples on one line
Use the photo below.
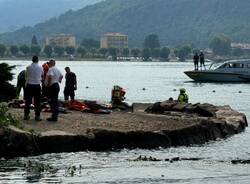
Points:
[(17, 13), (175, 21)]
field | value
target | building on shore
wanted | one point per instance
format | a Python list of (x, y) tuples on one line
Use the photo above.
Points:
[(114, 40), (61, 40)]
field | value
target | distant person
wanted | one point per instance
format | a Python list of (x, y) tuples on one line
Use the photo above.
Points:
[(117, 95), (202, 61), (70, 84), (183, 97), (53, 78), (34, 74), (21, 82), (196, 61)]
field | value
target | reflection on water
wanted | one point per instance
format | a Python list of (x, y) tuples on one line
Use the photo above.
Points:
[(161, 80)]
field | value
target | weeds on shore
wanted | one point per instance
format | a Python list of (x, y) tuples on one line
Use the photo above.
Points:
[(6, 119)]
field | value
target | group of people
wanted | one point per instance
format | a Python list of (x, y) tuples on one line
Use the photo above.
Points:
[(44, 82), (199, 58)]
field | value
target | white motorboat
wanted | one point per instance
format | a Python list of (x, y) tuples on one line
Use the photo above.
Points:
[(229, 71)]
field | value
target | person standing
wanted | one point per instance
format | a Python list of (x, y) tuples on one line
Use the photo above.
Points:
[(53, 78), (70, 84), (44, 88), (202, 61), (34, 74), (196, 61)]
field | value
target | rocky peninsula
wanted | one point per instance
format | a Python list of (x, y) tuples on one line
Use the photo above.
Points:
[(147, 126)]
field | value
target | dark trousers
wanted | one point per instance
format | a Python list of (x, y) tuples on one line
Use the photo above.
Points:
[(53, 95), (196, 63), (202, 64), (69, 91), (32, 91)]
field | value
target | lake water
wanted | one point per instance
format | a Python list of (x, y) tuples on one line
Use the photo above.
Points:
[(161, 81)]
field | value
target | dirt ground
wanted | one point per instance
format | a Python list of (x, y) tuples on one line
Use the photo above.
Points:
[(78, 122)]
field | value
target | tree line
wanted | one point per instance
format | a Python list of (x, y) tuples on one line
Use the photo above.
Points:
[(90, 48)]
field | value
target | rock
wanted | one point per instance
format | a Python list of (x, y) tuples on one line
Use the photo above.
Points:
[(206, 110), (108, 139), (155, 108), (140, 107), (196, 124), (16, 142), (58, 141)]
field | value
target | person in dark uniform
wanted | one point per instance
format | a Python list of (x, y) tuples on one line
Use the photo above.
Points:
[(202, 61), (196, 61), (70, 85)]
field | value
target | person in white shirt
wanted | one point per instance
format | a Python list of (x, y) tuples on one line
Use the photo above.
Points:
[(34, 73), (53, 78)]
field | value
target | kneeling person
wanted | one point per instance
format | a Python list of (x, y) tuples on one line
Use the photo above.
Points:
[(183, 97)]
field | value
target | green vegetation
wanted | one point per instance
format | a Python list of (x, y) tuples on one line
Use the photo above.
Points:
[(152, 42), (5, 118), (183, 52), (7, 91), (221, 44), (180, 22)]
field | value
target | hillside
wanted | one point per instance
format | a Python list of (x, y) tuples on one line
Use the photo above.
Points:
[(17, 13), (176, 22)]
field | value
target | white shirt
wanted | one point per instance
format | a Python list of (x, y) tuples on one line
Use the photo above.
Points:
[(55, 75), (34, 73)]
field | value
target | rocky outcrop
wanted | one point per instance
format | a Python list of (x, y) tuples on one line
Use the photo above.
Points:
[(212, 122)]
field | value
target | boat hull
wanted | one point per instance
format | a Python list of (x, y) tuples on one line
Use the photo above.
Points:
[(212, 76)]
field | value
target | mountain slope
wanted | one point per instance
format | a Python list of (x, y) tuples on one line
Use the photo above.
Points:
[(18, 13), (176, 22)]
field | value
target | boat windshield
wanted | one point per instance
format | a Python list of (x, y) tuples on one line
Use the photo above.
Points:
[(215, 65), (231, 65)]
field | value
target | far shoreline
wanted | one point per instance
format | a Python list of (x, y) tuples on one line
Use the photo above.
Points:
[(93, 60)]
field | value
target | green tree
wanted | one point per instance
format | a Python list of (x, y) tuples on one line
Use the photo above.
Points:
[(146, 54), (113, 52), (221, 44), (7, 91), (34, 40), (237, 52), (135, 52), (59, 50), (90, 43), (152, 41), (183, 52), (48, 50), (14, 50), (35, 49), (24, 49), (155, 52), (164, 53), (125, 52), (93, 52), (2, 50), (103, 51), (70, 50), (82, 51)]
